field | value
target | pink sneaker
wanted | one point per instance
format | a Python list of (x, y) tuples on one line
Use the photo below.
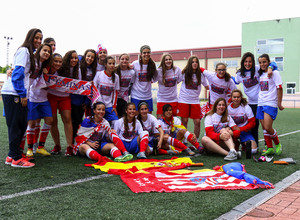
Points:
[(22, 163), (8, 160), (69, 151)]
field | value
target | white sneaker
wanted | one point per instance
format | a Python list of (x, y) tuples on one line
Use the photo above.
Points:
[(141, 155), (232, 155)]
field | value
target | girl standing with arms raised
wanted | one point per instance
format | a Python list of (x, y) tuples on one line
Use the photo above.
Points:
[(269, 101), (145, 74), (188, 101), (14, 93), (168, 76)]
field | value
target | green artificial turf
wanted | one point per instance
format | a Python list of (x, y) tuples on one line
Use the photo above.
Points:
[(110, 198)]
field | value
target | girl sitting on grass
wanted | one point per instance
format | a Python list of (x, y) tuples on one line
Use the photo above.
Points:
[(95, 135)]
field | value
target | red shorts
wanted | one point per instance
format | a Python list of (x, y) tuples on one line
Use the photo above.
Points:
[(160, 105), (192, 111), (60, 103)]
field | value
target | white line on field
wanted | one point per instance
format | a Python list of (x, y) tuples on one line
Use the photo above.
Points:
[(281, 135), (27, 192)]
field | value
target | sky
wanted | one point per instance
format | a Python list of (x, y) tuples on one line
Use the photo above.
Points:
[(124, 26)]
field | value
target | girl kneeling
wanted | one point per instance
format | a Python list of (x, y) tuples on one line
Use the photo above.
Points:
[(93, 135)]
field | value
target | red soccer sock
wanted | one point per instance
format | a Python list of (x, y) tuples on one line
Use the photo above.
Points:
[(144, 143), (162, 151), (118, 142), (30, 137), (268, 139), (94, 155), (274, 137), (176, 143), (44, 133), (37, 129), (115, 152), (189, 137)]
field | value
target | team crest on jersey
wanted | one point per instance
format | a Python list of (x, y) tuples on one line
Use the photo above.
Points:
[(170, 82), (125, 82), (250, 82), (129, 134), (143, 76), (219, 126), (239, 119), (16, 100), (217, 89), (106, 90), (264, 86)]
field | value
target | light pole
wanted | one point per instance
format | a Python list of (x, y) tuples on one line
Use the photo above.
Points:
[(7, 48)]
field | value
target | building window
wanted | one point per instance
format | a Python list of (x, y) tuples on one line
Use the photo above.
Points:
[(279, 62), (229, 63), (270, 46), (290, 88)]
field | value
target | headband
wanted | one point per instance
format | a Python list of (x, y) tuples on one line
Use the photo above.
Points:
[(144, 47)]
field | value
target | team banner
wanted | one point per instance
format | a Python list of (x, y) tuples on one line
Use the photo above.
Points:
[(73, 86)]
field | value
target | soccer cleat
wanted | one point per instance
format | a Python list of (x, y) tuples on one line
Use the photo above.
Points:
[(141, 155), (232, 155), (56, 149), (69, 151), (29, 159), (278, 149), (270, 151), (127, 156), (201, 149), (189, 152), (42, 151), (8, 160), (265, 148), (22, 163), (172, 152), (29, 153)]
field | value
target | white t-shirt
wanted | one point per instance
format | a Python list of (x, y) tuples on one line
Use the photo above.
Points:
[(21, 58), (167, 127), (141, 88), (241, 114), (189, 94), (151, 125), (215, 122), (268, 89), (100, 67), (218, 88), (127, 77), (251, 86), (36, 94), (168, 92), (131, 134), (107, 88)]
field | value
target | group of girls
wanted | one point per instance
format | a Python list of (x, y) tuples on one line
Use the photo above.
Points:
[(135, 130)]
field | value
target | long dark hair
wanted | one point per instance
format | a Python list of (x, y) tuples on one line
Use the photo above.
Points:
[(65, 69), (84, 66), (46, 63), (126, 127), (214, 110), (28, 43), (113, 76), (243, 70), (188, 71), (139, 117), (260, 71), (151, 68), (162, 65)]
